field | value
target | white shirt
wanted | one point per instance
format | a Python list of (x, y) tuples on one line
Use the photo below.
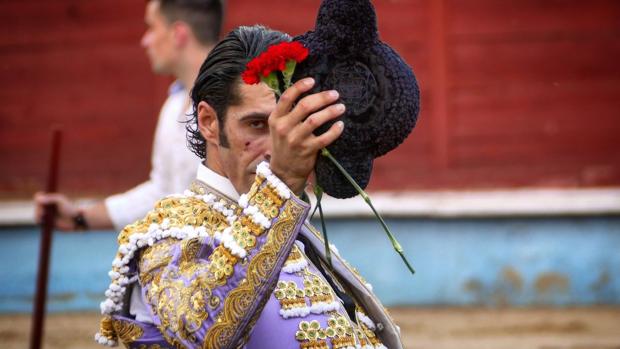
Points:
[(137, 305), (173, 165)]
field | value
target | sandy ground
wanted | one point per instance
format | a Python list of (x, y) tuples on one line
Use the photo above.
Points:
[(436, 328)]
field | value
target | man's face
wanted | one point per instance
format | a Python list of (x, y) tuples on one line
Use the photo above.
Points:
[(247, 132), (158, 39)]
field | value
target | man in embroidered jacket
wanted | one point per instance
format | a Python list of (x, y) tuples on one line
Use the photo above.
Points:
[(215, 269)]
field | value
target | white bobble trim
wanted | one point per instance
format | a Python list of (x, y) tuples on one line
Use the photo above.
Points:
[(153, 227), (243, 201), (292, 268), (229, 242), (281, 188), (295, 312), (165, 224), (322, 307), (366, 320)]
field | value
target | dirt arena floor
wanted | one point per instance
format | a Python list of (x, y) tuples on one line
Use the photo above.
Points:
[(428, 328)]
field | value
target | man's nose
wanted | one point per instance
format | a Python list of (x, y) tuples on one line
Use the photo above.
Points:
[(144, 40)]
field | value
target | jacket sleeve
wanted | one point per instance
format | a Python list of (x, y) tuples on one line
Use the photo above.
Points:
[(206, 292)]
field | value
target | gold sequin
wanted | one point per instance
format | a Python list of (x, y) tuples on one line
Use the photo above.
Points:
[(339, 331), (289, 295), (127, 331)]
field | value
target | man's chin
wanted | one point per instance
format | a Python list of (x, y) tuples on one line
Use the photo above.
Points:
[(159, 69)]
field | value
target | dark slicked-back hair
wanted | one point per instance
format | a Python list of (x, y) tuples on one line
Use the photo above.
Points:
[(204, 17), (220, 75)]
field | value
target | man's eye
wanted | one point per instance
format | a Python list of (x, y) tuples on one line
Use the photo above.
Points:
[(258, 124)]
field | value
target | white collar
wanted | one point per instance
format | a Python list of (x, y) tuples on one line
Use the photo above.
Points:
[(218, 182)]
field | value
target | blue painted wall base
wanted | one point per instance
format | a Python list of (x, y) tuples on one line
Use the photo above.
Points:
[(551, 261)]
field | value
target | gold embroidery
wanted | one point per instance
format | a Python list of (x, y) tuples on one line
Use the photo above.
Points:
[(190, 249), (268, 201), (127, 331), (152, 346), (179, 212), (242, 236), (154, 258), (316, 289), (289, 295), (181, 307), (295, 256), (312, 335), (239, 301), (366, 335), (258, 182), (221, 264), (247, 223), (106, 327), (339, 331), (214, 302)]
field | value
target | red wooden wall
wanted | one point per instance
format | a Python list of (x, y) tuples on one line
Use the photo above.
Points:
[(515, 92)]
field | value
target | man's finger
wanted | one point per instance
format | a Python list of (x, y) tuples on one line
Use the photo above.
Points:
[(317, 119), (311, 104), (328, 136), (288, 98), (49, 198)]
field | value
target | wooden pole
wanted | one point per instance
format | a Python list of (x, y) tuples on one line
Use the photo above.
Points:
[(47, 228)]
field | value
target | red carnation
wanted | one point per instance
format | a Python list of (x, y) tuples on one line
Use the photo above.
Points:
[(273, 59)]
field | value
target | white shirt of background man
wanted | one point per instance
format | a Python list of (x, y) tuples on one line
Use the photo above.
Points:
[(173, 165)]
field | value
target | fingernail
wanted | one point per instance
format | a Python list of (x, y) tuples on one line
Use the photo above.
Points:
[(333, 93), (340, 124), (340, 107), (308, 81)]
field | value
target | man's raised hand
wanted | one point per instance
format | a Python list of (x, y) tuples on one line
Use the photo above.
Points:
[(294, 146)]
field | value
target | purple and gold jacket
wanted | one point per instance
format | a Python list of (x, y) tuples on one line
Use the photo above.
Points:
[(214, 273)]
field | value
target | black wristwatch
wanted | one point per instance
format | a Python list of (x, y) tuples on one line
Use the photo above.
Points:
[(79, 221)]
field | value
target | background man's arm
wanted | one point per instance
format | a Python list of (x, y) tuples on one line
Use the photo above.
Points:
[(119, 210), (70, 216)]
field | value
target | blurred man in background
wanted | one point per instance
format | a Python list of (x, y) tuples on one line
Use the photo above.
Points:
[(179, 36)]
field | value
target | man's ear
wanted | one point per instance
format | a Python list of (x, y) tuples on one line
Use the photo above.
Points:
[(208, 123), (182, 33)]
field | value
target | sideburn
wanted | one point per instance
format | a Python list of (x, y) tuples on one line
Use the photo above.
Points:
[(223, 138)]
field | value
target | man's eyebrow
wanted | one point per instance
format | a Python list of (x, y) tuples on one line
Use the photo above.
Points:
[(254, 116)]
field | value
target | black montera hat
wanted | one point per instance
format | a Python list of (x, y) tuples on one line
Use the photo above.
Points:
[(379, 90)]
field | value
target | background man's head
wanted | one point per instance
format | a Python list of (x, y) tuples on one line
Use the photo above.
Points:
[(230, 117), (174, 25)]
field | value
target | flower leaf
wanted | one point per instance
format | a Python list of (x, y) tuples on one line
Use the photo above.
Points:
[(272, 81), (287, 73)]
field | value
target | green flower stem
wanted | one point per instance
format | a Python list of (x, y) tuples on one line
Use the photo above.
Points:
[(318, 191), (397, 247)]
